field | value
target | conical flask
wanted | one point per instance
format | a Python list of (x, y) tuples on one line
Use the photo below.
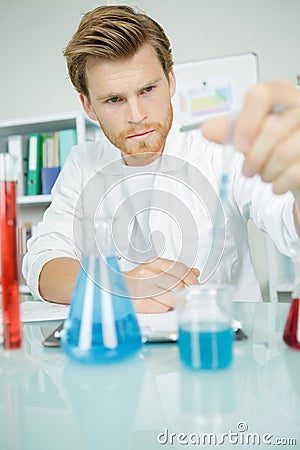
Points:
[(102, 326), (291, 335)]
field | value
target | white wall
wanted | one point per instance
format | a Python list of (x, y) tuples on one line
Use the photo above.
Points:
[(33, 34)]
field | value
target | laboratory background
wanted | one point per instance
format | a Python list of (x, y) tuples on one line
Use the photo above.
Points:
[(33, 34)]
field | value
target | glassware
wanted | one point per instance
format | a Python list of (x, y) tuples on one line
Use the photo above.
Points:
[(102, 326), (9, 257), (204, 322), (291, 334)]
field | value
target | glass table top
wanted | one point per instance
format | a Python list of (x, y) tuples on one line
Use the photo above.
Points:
[(151, 401)]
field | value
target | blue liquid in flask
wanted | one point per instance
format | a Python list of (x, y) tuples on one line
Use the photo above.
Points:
[(102, 326)]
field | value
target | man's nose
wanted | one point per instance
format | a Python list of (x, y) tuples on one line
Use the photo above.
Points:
[(136, 113)]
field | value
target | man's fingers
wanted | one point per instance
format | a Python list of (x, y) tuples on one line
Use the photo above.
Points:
[(196, 272), (162, 266), (284, 155), (150, 284), (216, 129), (277, 128), (260, 101), (288, 180), (167, 299), (161, 304), (176, 269)]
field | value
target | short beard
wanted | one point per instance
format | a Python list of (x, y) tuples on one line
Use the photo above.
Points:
[(142, 150)]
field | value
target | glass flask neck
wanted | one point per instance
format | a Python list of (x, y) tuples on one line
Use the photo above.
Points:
[(104, 236)]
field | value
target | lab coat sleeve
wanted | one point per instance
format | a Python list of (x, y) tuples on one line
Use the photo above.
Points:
[(53, 237), (270, 212)]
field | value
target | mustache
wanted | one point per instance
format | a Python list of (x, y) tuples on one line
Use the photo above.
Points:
[(139, 129)]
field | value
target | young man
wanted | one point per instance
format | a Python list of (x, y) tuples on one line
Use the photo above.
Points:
[(159, 182)]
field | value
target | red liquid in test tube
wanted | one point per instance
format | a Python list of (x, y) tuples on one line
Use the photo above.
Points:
[(291, 334), (9, 266)]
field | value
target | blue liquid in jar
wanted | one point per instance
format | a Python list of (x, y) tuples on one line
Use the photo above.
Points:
[(206, 346)]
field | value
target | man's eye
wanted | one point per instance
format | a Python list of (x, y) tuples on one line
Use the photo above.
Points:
[(114, 100), (149, 89)]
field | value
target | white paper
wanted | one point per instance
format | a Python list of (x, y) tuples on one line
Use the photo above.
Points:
[(35, 311), (164, 322)]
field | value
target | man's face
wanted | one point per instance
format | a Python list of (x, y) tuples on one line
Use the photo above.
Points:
[(131, 99)]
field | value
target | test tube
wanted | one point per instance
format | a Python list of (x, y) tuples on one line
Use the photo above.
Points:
[(12, 339)]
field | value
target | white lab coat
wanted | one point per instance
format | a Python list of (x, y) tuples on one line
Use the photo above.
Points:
[(180, 213)]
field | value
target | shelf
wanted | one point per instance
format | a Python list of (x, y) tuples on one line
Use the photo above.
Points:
[(34, 200), (41, 124), (49, 124)]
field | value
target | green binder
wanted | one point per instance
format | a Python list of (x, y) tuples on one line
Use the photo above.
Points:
[(35, 142)]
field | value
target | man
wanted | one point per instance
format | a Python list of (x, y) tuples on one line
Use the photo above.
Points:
[(120, 63)]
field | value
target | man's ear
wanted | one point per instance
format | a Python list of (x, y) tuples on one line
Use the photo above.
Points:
[(172, 82), (87, 107)]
